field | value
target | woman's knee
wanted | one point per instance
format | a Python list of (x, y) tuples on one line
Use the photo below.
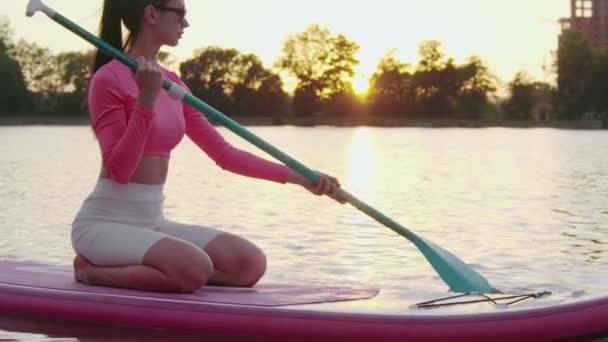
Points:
[(251, 263), (253, 267), (187, 265)]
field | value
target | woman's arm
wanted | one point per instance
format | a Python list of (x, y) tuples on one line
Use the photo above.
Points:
[(226, 156), (241, 162), (122, 136)]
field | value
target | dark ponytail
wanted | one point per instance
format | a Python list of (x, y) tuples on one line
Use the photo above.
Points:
[(110, 30), (116, 13)]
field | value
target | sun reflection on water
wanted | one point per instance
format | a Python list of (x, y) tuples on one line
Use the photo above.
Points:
[(362, 161)]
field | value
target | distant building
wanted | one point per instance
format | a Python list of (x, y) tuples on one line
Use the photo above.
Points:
[(591, 18)]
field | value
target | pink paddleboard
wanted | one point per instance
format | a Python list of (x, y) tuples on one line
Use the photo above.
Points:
[(299, 312)]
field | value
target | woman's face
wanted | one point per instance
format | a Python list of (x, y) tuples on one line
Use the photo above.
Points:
[(171, 22)]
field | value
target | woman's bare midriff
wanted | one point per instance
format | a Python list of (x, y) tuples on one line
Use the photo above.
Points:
[(151, 170)]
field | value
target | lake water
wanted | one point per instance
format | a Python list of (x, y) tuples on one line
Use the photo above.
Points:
[(526, 207)]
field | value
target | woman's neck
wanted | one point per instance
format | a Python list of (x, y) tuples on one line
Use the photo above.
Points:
[(144, 46)]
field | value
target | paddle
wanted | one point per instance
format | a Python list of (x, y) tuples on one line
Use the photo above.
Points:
[(457, 275)]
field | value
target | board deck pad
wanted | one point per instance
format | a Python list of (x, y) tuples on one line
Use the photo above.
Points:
[(60, 277)]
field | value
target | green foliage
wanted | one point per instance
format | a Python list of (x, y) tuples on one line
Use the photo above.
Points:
[(42, 69), (75, 72), (6, 34), (477, 86), (58, 82), (526, 97), (74, 69), (13, 93), (519, 105), (233, 82), (323, 65), (36, 80), (306, 102), (575, 71), (582, 76), (432, 56), (14, 96), (438, 87), (437, 80), (598, 95), (391, 91)]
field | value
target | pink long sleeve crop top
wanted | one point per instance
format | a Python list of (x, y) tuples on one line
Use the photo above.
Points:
[(127, 132)]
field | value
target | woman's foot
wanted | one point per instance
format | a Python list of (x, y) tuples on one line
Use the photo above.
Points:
[(80, 269)]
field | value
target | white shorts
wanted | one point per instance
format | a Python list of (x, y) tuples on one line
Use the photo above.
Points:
[(117, 224)]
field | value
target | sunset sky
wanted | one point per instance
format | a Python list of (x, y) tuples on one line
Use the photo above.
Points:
[(511, 35)]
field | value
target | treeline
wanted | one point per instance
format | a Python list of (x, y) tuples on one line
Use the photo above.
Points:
[(582, 73), (322, 66), (36, 81)]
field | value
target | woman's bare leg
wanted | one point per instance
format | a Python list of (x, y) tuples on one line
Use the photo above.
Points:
[(170, 265), (237, 261)]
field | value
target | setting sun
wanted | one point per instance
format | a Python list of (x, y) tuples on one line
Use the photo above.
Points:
[(360, 84)]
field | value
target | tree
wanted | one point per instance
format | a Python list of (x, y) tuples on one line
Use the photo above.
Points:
[(526, 95), (58, 83), (261, 92), (233, 82), (444, 89), (598, 97), (574, 72), (13, 92), (322, 63), (306, 101), (478, 85), (391, 90), (6, 33), (432, 56), (74, 70), (437, 80), (39, 67), (519, 105)]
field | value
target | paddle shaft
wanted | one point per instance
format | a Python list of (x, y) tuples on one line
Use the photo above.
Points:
[(459, 278)]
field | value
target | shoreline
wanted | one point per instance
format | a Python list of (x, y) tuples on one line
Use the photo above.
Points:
[(35, 120)]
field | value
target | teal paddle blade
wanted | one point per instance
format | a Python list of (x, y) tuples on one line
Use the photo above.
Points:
[(459, 276)]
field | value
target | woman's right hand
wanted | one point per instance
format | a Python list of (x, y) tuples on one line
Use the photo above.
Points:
[(327, 185), (149, 80)]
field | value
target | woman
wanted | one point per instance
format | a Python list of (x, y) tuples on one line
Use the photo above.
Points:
[(120, 234)]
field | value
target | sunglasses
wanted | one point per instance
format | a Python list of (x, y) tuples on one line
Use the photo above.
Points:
[(180, 12)]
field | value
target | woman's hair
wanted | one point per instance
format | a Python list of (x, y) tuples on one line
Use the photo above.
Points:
[(115, 12)]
